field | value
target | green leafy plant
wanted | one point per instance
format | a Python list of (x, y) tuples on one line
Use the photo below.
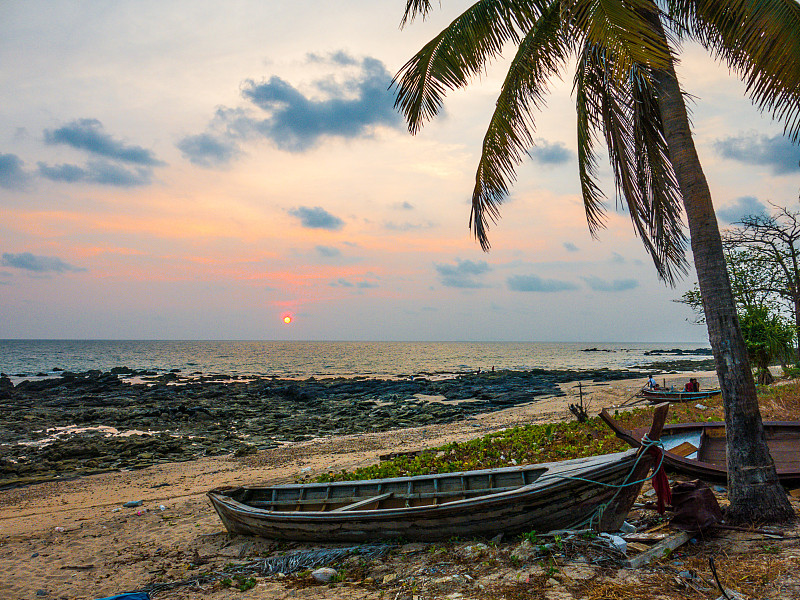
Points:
[(531, 537)]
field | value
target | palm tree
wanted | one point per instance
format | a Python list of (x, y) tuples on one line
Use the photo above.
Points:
[(627, 93)]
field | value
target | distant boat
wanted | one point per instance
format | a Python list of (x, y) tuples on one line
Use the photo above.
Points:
[(509, 500), (665, 395), (699, 449)]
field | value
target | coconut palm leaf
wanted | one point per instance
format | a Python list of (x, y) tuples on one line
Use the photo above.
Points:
[(659, 212), (624, 28), (759, 41), (542, 53), (629, 117), (414, 8), (423, 7), (457, 54), (589, 125)]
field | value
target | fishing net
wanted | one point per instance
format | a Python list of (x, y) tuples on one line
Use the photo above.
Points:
[(287, 563)]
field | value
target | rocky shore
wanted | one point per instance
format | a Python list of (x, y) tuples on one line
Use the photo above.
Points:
[(83, 423)]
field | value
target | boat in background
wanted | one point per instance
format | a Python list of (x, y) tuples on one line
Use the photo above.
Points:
[(665, 395), (509, 500), (699, 449)]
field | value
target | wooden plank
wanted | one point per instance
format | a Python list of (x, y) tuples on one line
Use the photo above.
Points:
[(684, 449), (644, 537), (364, 502), (658, 550), (328, 495)]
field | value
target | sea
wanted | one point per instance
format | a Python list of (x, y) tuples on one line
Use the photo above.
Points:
[(21, 359)]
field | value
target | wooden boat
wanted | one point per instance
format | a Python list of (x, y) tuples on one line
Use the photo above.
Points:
[(665, 395), (541, 497), (699, 449)]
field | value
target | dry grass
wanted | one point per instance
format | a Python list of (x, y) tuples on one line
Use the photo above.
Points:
[(623, 590), (761, 573), (781, 402)]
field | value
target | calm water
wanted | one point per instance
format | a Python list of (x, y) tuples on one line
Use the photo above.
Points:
[(325, 359)]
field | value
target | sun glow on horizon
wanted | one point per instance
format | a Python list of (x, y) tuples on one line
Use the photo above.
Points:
[(287, 319)]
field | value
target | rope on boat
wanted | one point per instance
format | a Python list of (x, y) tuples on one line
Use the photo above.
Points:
[(594, 519), (288, 563)]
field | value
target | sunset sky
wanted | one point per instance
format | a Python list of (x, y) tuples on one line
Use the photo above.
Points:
[(202, 170)]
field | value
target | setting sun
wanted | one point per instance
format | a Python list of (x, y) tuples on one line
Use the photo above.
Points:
[(287, 319)]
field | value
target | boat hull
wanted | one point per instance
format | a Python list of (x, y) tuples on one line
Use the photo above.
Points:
[(547, 497), (677, 396)]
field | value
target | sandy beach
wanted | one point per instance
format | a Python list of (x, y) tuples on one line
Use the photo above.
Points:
[(73, 539)]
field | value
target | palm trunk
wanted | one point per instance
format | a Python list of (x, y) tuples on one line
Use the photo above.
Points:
[(753, 487)]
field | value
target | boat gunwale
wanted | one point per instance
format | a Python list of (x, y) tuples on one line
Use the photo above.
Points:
[(552, 465), (547, 480)]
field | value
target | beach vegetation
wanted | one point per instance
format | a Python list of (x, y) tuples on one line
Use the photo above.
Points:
[(627, 94), (240, 582), (769, 339), (519, 445), (527, 444)]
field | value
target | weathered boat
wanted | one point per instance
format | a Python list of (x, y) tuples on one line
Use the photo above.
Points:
[(699, 449), (483, 503), (665, 395)]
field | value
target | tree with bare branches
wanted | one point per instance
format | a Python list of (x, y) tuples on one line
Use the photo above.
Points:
[(770, 245)]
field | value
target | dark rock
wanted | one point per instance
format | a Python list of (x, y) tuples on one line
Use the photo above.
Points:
[(217, 414), (122, 371)]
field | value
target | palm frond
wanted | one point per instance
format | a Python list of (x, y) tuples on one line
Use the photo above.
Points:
[(541, 54), (661, 208), (457, 54), (758, 40), (414, 8), (624, 28), (630, 119), (588, 111)]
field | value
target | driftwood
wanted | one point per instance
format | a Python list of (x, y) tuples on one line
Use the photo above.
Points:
[(580, 410), (658, 551)]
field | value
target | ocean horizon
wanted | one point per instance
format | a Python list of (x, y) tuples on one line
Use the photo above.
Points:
[(302, 359)]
